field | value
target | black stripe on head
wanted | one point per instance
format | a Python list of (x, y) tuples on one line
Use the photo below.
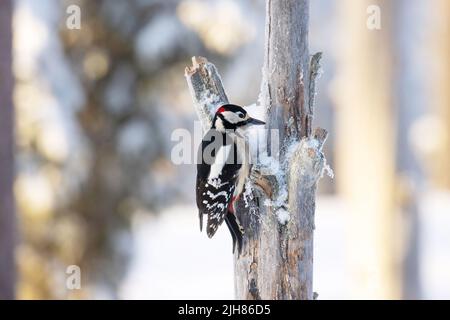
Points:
[(231, 107), (238, 111)]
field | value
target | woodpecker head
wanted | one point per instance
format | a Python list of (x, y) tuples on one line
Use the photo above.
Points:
[(232, 117)]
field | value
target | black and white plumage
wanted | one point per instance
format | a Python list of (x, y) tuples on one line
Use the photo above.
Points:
[(223, 166)]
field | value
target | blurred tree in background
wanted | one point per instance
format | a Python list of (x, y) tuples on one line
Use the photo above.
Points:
[(7, 215), (127, 128), (97, 107), (440, 43)]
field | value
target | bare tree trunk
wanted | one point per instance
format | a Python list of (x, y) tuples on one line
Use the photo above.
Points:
[(277, 258), (7, 222)]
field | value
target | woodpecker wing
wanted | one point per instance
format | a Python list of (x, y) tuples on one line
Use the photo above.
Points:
[(217, 172)]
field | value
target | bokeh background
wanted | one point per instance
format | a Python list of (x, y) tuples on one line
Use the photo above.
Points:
[(95, 109)]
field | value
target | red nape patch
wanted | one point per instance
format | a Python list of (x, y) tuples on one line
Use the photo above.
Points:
[(221, 109)]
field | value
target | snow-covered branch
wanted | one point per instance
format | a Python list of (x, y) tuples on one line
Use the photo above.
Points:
[(206, 89), (207, 94), (307, 162)]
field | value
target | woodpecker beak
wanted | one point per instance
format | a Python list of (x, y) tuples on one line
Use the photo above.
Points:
[(253, 121)]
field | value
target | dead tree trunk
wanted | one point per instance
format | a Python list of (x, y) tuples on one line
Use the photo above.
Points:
[(7, 224), (277, 257)]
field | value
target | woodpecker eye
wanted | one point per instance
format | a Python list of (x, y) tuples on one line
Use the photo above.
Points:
[(241, 115)]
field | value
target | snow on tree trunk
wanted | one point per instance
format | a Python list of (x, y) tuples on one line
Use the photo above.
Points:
[(277, 257), (7, 222)]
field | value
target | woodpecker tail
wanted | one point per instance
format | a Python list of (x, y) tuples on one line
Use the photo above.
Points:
[(200, 216), (235, 229)]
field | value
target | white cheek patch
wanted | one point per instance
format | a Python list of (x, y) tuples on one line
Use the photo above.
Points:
[(219, 161), (231, 117)]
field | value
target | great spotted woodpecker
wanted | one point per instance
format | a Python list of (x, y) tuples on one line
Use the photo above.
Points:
[(222, 168)]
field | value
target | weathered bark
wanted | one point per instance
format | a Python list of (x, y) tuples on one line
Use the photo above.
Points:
[(366, 150), (277, 259), (7, 222), (206, 89), (286, 66)]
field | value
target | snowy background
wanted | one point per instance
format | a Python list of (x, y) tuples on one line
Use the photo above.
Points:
[(95, 186), (167, 251)]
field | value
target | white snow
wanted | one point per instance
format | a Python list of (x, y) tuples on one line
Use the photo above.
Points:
[(173, 260), (248, 193), (283, 216), (434, 248), (303, 147), (269, 165), (327, 169), (210, 100)]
